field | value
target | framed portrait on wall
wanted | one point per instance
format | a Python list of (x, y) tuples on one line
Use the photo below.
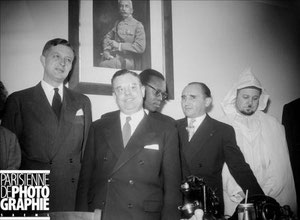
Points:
[(105, 41)]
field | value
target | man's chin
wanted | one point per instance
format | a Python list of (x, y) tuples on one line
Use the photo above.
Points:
[(247, 113)]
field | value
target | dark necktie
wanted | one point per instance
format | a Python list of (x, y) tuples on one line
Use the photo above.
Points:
[(56, 102), (126, 132)]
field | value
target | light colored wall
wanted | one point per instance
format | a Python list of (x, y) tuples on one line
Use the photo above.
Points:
[(213, 42)]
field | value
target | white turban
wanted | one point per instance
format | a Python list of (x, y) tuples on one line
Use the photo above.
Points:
[(246, 79)]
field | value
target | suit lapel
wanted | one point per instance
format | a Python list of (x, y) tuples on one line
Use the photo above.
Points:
[(143, 134), (42, 108), (68, 112), (202, 135), (113, 135)]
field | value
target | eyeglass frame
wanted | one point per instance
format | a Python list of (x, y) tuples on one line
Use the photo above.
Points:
[(158, 92)]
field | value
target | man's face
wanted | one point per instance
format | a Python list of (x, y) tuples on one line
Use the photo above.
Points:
[(193, 101), (154, 94), (57, 64), (125, 8), (247, 100), (128, 93)]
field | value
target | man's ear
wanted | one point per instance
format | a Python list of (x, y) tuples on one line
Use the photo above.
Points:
[(143, 91), (114, 95), (208, 101), (43, 60)]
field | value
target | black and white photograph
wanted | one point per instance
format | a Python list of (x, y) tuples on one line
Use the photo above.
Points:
[(149, 109)]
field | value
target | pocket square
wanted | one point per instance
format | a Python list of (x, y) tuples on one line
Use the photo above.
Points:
[(152, 147), (79, 112)]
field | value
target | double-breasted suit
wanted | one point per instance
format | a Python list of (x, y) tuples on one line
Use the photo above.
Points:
[(140, 181), (49, 143), (211, 146)]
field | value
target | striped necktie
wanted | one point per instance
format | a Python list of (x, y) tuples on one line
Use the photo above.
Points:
[(126, 132)]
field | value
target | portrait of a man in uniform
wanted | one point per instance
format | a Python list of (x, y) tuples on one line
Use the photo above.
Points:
[(121, 34)]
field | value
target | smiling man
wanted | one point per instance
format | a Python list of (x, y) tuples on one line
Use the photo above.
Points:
[(131, 167), (206, 144), (51, 123)]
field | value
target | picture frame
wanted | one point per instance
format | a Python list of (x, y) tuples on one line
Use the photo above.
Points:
[(88, 78)]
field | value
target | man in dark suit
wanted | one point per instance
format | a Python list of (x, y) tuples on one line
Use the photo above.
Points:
[(155, 94), (131, 166), (291, 122), (51, 123), (206, 144)]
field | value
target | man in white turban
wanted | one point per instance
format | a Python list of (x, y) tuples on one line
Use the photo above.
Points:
[(261, 139)]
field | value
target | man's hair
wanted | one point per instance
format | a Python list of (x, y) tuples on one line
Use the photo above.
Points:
[(147, 74), (3, 95), (123, 72), (204, 87), (55, 42)]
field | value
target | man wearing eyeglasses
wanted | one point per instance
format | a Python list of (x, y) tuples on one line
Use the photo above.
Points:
[(155, 94), (131, 166)]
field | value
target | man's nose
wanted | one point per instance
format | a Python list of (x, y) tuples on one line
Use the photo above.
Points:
[(159, 97), (127, 91), (62, 61), (250, 102)]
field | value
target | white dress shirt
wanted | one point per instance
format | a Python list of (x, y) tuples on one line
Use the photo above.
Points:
[(198, 121), (136, 118), (49, 91)]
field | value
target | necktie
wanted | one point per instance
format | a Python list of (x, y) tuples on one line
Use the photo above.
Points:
[(126, 132), (191, 128), (56, 102)]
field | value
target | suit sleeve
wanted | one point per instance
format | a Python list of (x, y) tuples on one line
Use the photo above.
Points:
[(287, 121), (85, 173), (171, 176), (12, 118), (237, 165)]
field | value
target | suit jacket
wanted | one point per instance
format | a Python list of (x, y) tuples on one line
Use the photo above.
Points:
[(211, 146), (161, 117), (10, 152), (48, 143), (140, 181), (291, 122)]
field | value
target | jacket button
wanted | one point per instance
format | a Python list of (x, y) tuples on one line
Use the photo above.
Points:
[(131, 182), (130, 206), (103, 202), (109, 180), (51, 162)]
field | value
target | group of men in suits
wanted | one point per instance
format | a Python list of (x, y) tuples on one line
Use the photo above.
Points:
[(133, 159)]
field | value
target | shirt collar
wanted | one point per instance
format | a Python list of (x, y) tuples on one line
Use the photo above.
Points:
[(198, 121), (136, 118), (49, 90)]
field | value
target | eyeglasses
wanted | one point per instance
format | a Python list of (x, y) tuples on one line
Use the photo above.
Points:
[(157, 93)]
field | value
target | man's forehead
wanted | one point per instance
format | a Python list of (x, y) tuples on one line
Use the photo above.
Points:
[(249, 90), (61, 49), (125, 2), (126, 79), (157, 81), (192, 90)]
